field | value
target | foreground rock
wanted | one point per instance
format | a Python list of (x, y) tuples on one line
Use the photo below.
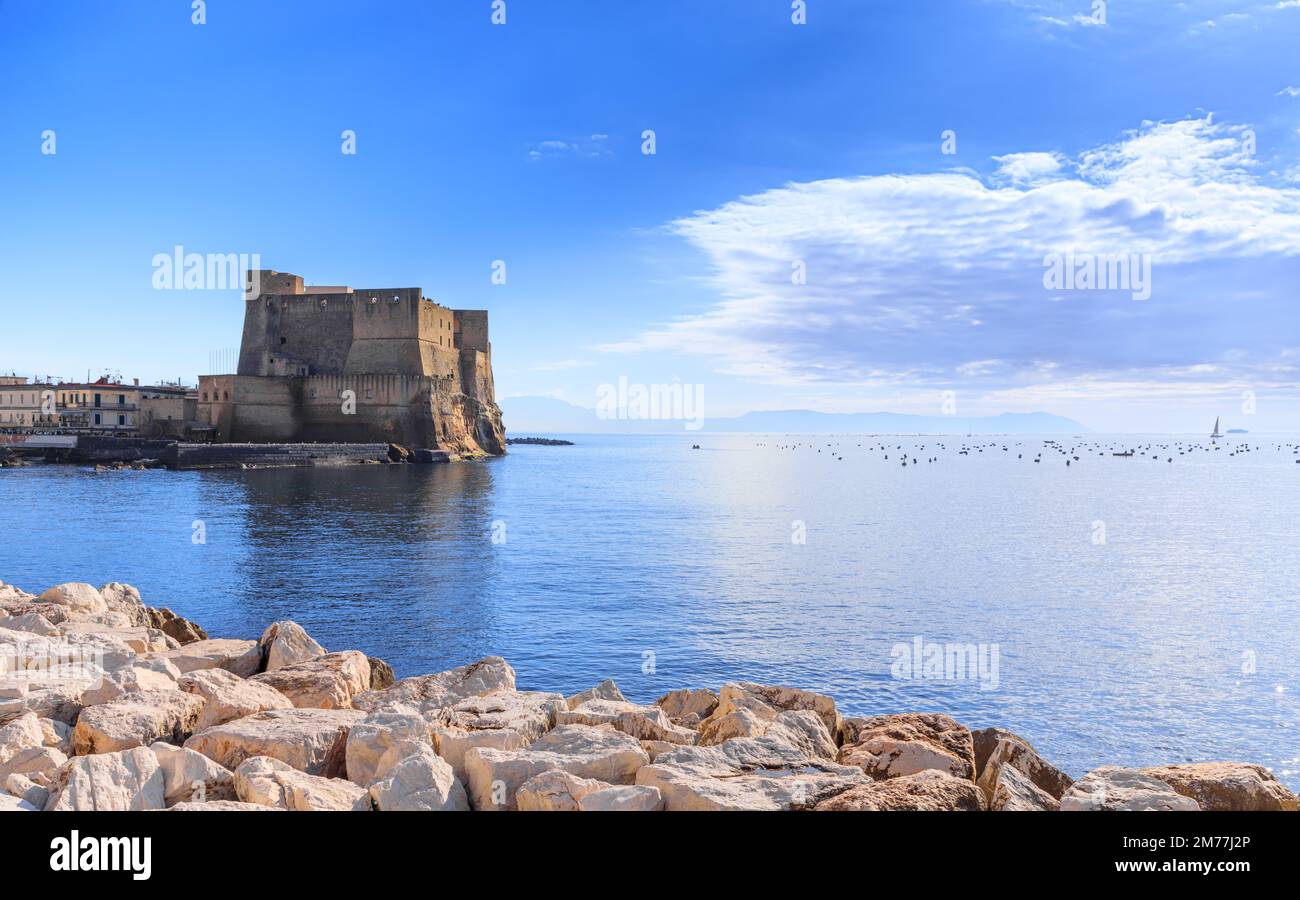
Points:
[(128, 780), (602, 754), (555, 790), (802, 728), (137, 719), (443, 689), (504, 720), (927, 791), (890, 746), (1011, 751), (623, 798), (767, 702), (300, 738), (746, 774), (322, 682), (1226, 786), (688, 707), (243, 658), (75, 597), (410, 777), (189, 775), (647, 723), (1011, 790), (1117, 788), (606, 690), (375, 735), (269, 782), (227, 697)]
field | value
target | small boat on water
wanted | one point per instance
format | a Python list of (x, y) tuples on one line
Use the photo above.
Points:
[(1217, 434)]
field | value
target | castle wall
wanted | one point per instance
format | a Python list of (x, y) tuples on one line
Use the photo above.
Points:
[(385, 407)]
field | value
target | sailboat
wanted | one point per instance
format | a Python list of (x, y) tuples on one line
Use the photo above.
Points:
[(1217, 434)]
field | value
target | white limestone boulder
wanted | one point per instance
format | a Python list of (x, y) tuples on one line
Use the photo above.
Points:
[(411, 777), (555, 791), (302, 738), (136, 719), (442, 689), (76, 597), (603, 754), (32, 623), (647, 723), (126, 780), (801, 729), (27, 790), (505, 720), (286, 643), (907, 743), (227, 697), (767, 702), (689, 706), (606, 690), (373, 736), (329, 681), (125, 680), (243, 658), (1118, 788), (929, 790), (623, 798), (746, 774), (222, 806), (189, 775)]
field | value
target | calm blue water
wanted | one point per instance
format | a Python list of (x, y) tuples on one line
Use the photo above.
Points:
[(1125, 652)]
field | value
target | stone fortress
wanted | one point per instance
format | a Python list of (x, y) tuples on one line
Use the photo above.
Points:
[(337, 364)]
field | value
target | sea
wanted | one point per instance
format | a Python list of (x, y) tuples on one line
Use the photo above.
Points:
[(1131, 610)]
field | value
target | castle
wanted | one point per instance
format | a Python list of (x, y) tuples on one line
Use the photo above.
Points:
[(337, 364)]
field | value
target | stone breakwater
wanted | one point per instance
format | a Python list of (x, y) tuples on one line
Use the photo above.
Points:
[(109, 704)]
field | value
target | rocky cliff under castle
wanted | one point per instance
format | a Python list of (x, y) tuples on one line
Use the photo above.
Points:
[(342, 364)]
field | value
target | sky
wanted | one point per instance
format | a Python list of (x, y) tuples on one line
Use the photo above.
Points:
[(856, 214)]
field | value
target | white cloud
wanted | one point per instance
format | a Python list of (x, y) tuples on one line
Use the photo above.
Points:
[(1289, 91), (1029, 168), (930, 279)]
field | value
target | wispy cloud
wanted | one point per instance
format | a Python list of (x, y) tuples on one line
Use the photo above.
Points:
[(934, 279), (591, 147)]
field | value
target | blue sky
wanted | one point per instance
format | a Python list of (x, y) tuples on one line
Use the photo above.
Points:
[(1169, 131)]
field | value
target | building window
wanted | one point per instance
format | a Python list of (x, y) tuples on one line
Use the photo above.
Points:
[(97, 422), (121, 420), (225, 395)]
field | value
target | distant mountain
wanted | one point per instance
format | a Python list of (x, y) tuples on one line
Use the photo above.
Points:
[(548, 415)]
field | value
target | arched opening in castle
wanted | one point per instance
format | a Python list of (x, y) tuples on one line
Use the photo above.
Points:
[(341, 364)]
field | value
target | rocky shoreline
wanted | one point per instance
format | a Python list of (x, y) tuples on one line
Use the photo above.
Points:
[(109, 704)]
